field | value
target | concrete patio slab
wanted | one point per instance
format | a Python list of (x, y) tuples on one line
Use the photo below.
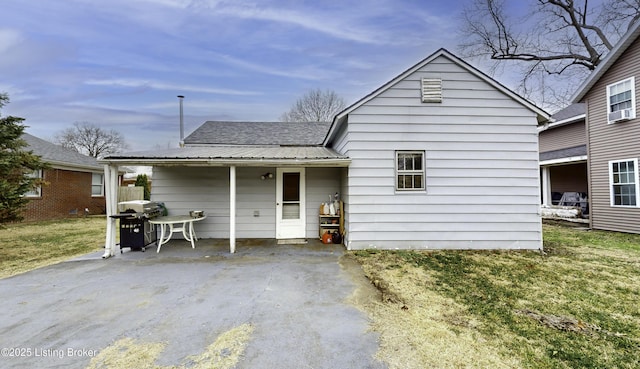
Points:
[(294, 296)]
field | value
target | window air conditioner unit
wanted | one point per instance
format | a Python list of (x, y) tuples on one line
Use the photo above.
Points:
[(620, 115)]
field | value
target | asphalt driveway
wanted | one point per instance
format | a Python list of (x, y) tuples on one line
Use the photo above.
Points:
[(294, 297)]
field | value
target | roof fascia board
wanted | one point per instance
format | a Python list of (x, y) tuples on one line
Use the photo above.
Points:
[(73, 167), (230, 162), (571, 159), (563, 122)]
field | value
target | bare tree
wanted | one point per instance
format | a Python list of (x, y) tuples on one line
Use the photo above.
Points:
[(315, 106), (562, 39), (89, 139)]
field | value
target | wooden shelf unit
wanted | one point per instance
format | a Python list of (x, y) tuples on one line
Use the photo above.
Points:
[(331, 223)]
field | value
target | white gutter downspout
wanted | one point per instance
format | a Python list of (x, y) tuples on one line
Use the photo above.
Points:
[(111, 197), (232, 209)]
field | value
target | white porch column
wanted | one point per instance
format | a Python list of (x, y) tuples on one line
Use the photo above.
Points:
[(111, 197), (232, 209), (546, 185)]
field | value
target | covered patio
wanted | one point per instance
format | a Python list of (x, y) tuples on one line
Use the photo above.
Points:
[(245, 192)]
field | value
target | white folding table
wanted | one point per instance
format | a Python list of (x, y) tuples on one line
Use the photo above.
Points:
[(176, 223)]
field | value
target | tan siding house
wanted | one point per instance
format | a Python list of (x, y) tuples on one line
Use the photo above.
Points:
[(613, 136), (563, 137), (563, 159)]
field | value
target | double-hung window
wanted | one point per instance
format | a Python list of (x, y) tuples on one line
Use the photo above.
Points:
[(36, 191), (97, 188), (623, 176), (621, 100), (410, 170)]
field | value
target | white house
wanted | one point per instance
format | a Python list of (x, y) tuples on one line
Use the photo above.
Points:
[(440, 157)]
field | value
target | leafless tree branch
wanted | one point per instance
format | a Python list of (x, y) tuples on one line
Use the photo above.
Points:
[(89, 139), (315, 106), (555, 38)]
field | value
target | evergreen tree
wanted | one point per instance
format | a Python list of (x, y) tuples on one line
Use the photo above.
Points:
[(143, 182), (16, 167)]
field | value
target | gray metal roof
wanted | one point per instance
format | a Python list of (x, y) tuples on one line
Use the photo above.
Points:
[(259, 133), (57, 155), (564, 153), (234, 155)]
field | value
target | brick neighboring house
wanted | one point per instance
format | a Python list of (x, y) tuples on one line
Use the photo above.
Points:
[(74, 182)]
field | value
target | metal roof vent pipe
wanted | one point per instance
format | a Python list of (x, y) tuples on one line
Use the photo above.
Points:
[(180, 97)]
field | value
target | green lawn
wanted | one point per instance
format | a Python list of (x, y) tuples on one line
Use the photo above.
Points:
[(26, 246), (576, 306)]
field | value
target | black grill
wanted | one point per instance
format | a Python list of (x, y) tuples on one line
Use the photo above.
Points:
[(136, 232)]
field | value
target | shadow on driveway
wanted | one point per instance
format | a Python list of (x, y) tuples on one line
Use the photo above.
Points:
[(294, 296)]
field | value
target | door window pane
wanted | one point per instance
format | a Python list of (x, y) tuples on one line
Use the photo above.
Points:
[(291, 186)]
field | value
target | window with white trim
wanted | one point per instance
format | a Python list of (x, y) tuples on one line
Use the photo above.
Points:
[(621, 100), (410, 170), (623, 176), (37, 191), (97, 184)]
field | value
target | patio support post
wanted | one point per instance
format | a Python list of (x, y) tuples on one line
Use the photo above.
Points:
[(232, 209), (546, 185), (111, 197)]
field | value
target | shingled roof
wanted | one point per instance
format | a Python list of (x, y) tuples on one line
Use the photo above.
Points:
[(259, 133), (58, 156), (571, 111)]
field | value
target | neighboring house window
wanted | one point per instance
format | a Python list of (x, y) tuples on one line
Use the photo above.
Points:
[(36, 192), (97, 188), (409, 170), (623, 176), (621, 99)]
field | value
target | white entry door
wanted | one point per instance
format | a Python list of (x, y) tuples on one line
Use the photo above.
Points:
[(290, 203)]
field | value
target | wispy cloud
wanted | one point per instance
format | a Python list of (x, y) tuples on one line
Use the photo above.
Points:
[(307, 72), (141, 83), (314, 20), (8, 38)]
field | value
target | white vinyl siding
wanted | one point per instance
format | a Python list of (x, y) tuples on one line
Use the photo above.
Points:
[(622, 96), (207, 188), (623, 179), (97, 184), (481, 167)]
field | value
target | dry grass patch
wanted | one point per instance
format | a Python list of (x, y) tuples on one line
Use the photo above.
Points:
[(26, 246), (420, 328), (575, 306), (127, 353)]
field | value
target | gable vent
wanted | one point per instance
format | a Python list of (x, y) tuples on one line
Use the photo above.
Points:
[(431, 90)]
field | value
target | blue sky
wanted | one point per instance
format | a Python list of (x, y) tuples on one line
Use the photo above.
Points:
[(121, 63)]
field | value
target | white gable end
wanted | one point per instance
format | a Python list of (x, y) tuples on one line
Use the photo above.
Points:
[(480, 150)]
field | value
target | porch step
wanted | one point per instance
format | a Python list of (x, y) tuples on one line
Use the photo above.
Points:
[(292, 241)]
